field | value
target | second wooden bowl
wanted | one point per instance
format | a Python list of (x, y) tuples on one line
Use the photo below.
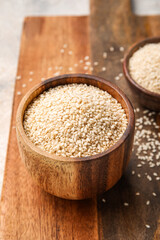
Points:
[(147, 98), (76, 178)]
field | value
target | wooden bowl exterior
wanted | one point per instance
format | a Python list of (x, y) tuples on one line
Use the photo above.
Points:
[(146, 98), (76, 178)]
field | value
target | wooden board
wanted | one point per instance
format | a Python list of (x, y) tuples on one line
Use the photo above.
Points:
[(27, 212), (114, 25)]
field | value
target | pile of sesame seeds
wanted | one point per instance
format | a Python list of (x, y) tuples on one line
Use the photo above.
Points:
[(75, 120), (144, 67)]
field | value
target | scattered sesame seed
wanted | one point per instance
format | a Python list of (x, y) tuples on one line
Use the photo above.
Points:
[(137, 193), (24, 85), (138, 175), (86, 58), (126, 204), (116, 78), (148, 202), (121, 49), (139, 165), (85, 68), (19, 93), (88, 63), (30, 79), (147, 226), (42, 79), (65, 45), (70, 52), (103, 69), (70, 69), (103, 200), (155, 174), (133, 172), (50, 68), (149, 178), (91, 69), (105, 55), (111, 49), (62, 50), (76, 65), (18, 77), (56, 73), (31, 72), (95, 63), (56, 67), (154, 194), (121, 60), (13, 127), (81, 61), (120, 74)]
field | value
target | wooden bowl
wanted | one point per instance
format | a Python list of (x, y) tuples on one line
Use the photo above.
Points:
[(147, 98), (76, 178)]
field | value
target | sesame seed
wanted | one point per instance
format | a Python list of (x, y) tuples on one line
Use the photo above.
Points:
[(81, 61), (42, 79), (86, 58), (50, 68), (65, 45), (103, 200), (111, 49), (126, 204), (62, 50), (147, 226), (30, 79), (19, 93), (137, 193), (76, 65), (70, 52), (105, 55), (95, 63), (154, 194), (18, 77), (24, 85), (149, 178), (103, 69), (133, 172), (116, 78), (148, 202), (31, 72), (85, 68), (121, 49), (56, 73)]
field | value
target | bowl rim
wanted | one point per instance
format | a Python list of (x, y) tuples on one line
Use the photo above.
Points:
[(28, 142), (126, 71)]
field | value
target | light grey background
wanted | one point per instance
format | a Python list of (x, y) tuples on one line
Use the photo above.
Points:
[(12, 13)]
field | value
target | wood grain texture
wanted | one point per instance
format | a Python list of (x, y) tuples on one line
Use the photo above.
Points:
[(113, 24), (76, 178), (27, 212)]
